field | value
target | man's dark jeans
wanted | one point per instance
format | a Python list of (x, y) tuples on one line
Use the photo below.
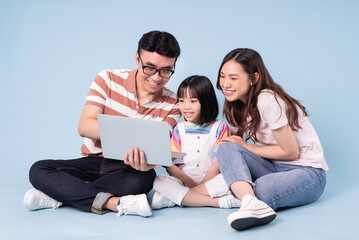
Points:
[(77, 182)]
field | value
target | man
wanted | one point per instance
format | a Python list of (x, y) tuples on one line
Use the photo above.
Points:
[(93, 183)]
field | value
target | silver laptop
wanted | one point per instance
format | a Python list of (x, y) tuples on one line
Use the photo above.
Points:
[(119, 134)]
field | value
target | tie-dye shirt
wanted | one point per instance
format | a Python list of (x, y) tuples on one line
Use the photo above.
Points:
[(191, 128)]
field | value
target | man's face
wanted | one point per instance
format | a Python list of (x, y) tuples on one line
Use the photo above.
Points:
[(152, 84)]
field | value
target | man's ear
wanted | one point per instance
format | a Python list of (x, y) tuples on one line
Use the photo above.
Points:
[(137, 59)]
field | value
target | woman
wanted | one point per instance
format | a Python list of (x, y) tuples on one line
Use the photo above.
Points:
[(286, 166)]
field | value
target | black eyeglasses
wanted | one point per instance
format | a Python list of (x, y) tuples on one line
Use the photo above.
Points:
[(150, 71)]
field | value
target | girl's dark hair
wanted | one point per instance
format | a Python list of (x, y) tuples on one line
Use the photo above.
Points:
[(162, 43), (200, 87), (237, 112)]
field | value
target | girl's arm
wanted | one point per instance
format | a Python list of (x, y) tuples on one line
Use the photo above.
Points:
[(222, 133), (286, 149), (178, 173), (211, 173)]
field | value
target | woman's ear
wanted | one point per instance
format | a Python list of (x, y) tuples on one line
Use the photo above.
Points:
[(255, 78)]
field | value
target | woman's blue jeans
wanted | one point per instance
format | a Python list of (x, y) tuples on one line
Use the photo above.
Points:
[(277, 184)]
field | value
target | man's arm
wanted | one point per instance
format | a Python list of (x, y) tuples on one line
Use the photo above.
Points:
[(88, 125)]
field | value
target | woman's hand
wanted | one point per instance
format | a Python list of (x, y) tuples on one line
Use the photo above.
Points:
[(236, 139)]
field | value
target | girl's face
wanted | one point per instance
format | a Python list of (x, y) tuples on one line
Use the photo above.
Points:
[(234, 81), (189, 107)]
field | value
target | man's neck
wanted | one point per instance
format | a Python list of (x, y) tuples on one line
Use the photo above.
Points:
[(143, 96), (142, 93)]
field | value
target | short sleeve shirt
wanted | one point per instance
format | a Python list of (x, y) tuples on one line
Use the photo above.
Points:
[(114, 90), (273, 115)]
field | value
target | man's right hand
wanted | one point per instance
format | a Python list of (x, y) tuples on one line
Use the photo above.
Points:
[(138, 160)]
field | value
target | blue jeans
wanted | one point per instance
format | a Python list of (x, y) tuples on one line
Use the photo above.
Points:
[(86, 183), (277, 184)]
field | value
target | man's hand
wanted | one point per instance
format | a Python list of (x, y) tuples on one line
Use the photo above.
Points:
[(138, 160)]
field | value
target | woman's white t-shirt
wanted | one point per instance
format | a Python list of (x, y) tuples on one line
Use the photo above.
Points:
[(273, 116)]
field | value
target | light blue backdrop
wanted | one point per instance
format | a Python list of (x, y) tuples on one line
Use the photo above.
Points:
[(50, 51)]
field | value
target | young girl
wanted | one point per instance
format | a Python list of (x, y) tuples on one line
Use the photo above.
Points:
[(195, 181), (286, 166)]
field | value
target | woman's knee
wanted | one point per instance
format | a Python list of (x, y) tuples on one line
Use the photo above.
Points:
[(227, 149)]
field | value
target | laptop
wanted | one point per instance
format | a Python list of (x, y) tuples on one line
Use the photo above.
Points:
[(119, 134)]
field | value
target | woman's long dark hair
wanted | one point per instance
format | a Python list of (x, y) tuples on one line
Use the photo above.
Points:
[(237, 112)]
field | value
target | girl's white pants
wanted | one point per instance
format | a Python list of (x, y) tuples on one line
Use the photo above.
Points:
[(174, 189)]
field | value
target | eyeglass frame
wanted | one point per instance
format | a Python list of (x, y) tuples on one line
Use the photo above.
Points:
[(156, 70)]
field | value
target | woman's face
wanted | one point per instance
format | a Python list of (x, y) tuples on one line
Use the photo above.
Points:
[(234, 81)]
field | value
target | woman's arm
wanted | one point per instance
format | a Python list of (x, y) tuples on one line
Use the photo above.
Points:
[(178, 173), (286, 149)]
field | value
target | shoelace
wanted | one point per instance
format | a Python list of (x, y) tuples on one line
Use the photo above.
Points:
[(47, 201), (126, 206), (231, 201), (168, 202)]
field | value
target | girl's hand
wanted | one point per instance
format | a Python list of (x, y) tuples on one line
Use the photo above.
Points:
[(189, 182), (236, 139)]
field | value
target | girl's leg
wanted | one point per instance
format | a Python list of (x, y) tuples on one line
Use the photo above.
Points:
[(195, 199), (213, 193), (171, 187), (217, 187)]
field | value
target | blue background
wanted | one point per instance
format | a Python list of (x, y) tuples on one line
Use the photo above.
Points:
[(50, 51)]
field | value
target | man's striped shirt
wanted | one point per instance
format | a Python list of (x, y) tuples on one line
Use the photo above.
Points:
[(114, 90)]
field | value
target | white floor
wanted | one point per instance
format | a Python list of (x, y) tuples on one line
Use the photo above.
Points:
[(333, 216)]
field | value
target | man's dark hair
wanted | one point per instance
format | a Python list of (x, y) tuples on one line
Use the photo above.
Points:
[(162, 43), (200, 87)]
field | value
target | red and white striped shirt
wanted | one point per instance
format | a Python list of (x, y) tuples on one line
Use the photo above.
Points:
[(114, 90)]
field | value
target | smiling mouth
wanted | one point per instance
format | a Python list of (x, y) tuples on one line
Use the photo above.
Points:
[(153, 84), (228, 92), (187, 114)]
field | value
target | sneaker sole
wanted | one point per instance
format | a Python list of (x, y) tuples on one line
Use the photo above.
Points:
[(241, 223)]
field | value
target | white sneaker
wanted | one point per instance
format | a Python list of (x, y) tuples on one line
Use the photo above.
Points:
[(35, 199), (160, 201), (134, 204), (229, 201), (252, 213)]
